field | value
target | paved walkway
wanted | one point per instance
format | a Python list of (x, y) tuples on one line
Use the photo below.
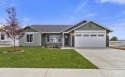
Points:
[(33, 72)]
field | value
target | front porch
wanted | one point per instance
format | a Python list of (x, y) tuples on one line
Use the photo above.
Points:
[(67, 39), (57, 39)]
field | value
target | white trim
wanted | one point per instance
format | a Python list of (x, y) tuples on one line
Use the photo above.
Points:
[(75, 25), (51, 32), (63, 39), (78, 26), (4, 36), (40, 39), (31, 32), (26, 37), (89, 31), (71, 39), (65, 32)]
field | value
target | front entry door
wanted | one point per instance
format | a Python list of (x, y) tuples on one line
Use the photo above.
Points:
[(66, 40)]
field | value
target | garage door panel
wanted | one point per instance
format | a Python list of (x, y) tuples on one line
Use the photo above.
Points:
[(90, 41)]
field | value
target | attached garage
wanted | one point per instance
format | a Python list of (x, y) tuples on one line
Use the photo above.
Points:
[(90, 38), (90, 34)]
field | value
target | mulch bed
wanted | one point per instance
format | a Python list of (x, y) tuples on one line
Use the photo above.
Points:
[(17, 51)]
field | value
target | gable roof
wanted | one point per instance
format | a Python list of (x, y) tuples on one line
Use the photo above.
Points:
[(84, 23), (63, 28), (50, 28)]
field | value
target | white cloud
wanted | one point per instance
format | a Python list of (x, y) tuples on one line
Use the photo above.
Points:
[(25, 19), (81, 6), (7, 3), (123, 12), (91, 15), (112, 1), (2, 20), (72, 18), (106, 18)]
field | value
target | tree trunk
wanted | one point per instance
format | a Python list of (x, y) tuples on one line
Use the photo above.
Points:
[(14, 45)]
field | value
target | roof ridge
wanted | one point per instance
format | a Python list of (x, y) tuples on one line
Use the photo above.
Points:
[(48, 25)]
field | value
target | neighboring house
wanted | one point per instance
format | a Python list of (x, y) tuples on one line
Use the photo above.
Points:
[(83, 34), (4, 40)]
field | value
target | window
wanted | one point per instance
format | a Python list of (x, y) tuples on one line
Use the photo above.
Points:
[(78, 35), (53, 38), (101, 35), (86, 35), (93, 35), (2, 36), (29, 38)]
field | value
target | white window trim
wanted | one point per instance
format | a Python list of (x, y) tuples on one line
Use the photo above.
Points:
[(53, 42), (4, 36), (26, 37)]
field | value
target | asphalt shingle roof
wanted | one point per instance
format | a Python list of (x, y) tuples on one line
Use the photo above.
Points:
[(50, 28)]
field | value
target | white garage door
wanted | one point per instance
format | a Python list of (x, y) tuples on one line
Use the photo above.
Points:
[(90, 39)]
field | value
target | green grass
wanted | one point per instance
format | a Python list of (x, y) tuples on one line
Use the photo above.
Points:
[(37, 57)]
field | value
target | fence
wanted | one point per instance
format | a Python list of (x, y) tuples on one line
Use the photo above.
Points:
[(117, 43)]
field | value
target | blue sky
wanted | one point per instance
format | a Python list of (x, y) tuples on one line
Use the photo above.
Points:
[(110, 13)]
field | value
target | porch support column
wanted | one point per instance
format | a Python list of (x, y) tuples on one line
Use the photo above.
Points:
[(71, 39), (41, 39), (63, 39)]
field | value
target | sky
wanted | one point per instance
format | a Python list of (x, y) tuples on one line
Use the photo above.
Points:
[(110, 13)]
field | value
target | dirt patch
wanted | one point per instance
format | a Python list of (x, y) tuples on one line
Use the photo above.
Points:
[(118, 48)]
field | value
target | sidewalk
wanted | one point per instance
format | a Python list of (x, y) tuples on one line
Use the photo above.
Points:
[(34, 72)]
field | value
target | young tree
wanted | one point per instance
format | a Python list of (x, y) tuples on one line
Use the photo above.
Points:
[(114, 38), (12, 28)]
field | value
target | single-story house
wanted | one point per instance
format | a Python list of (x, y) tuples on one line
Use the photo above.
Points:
[(82, 34), (4, 40)]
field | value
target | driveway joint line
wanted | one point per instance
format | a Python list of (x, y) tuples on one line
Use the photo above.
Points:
[(101, 73), (46, 72)]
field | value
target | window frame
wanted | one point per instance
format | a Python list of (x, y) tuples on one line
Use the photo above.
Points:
[(1, 36), (101, 35), (92, 35), (57, 39), (29, 39), (86, 35), (78, 35)]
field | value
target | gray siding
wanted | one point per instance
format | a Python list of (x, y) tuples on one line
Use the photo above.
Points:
[(37, 40), (28, 29), (90, 26)]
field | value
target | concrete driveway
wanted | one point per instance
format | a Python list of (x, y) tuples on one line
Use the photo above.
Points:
[(105, 58)]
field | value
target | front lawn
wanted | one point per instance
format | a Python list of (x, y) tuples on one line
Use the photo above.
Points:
[(37, 57)]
